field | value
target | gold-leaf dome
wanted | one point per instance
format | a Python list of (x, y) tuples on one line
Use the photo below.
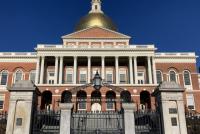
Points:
[(96, 17)]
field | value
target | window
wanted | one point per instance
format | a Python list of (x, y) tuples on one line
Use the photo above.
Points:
[(4, 77), (109, 75), (83, 77), (50, 77), (159, 77), (140, 77), (69, 75), (110, 100), (187, 80), (18, 76), (190, 101), (122, 76), (32, 76), (2, 97), (172, 76)]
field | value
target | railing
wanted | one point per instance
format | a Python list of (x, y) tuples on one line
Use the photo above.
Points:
[(147, 122), (193, 123), (97, 123), (3, 122), (46, 122)]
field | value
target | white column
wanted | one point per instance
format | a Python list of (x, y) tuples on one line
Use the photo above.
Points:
[(56, 70), (75, 69), (131, 69), (135, 70), (154, 71), (117, 69), (61, 71), (103, 67), (89, 69), (42, 71), (149, 70), (37, 71)]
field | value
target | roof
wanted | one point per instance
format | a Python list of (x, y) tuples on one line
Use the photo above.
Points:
[(96, 32)]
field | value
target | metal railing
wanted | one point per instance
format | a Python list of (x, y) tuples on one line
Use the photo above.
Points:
[(147, 122), (97, 123), (193, 122), (3, 122), (46, 122)]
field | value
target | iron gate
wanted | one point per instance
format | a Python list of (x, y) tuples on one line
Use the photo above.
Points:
[(3, 122), (193, 123), (97, 123), (46, 122), (147, 122)]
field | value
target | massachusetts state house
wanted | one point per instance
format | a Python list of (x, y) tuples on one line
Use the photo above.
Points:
[(96, 45)]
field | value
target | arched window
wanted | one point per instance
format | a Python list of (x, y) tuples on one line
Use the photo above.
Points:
[(125, 96), (81, 100), (4, 77), (110, 99), (96, 97), (46, 100), (32, 76), (145, 100), (187, 78), (96, 101), (18, 76), (66, 97), (172, 76), (159, 77)]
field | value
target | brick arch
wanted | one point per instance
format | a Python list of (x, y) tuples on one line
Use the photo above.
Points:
[(19, 68), (173, 69)]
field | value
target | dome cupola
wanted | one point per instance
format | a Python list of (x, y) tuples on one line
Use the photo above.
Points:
[(95, 17)]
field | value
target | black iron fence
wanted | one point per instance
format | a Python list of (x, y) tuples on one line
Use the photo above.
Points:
[(3, 122), (193, 123), (147, 122), (97, 123), (46, 122)]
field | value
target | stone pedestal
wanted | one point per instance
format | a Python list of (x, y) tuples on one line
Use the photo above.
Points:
[(21, 105), (65, 117), (169, 96), (129, 119)]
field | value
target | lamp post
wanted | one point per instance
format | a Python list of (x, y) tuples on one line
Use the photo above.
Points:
[(97, 81)]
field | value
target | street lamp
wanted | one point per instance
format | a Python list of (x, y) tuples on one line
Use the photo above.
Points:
[(97, 81)]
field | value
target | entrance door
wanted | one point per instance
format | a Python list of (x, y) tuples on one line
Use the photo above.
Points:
[(96, 107)]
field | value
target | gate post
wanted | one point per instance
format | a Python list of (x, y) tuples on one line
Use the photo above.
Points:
[(169, 97), (21, 104), (65, 119), (129, 119)]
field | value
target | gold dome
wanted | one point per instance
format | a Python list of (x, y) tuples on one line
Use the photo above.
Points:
[(95, 19)]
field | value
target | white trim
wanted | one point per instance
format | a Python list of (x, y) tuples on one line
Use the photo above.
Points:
[(14, 76), (161, 75), (176, 76), (188, 87), (7, 77)]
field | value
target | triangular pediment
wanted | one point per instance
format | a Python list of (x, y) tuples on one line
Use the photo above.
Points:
[(96, 32)]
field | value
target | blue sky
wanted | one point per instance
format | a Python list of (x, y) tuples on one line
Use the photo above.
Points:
[(172, 25)]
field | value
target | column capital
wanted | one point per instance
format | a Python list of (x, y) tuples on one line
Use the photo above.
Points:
[(43, 57), (89, 57)]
